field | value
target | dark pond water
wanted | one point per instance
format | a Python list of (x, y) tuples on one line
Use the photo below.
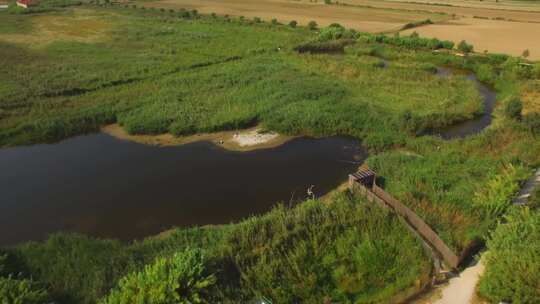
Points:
[(106, 187), (477, 124)]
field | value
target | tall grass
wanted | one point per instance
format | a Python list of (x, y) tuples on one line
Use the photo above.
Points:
[(342, 250), (513, 260)]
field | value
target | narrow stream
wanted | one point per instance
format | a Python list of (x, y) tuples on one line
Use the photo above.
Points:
[(106, 187), (477, 124)]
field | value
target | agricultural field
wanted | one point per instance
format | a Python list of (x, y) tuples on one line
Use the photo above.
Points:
[(475, 22), (152, 71), (361, 18)]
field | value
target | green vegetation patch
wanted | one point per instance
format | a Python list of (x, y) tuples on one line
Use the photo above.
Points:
[(343, 250), (513, 260)]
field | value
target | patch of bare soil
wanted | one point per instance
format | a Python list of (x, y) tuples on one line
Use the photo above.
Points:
[(81, 25), (239, 140)]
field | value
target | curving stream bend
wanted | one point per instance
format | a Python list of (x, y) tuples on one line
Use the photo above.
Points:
[(471, 126)]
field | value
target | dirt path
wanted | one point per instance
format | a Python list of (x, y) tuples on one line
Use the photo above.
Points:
[(461, 289)]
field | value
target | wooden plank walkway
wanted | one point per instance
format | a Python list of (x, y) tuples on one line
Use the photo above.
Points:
[(361, 181)]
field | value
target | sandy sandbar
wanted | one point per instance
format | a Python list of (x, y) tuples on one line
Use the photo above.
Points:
[(239, 140)]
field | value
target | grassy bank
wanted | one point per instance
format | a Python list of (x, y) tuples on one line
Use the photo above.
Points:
[(344, 249), (163, 73)]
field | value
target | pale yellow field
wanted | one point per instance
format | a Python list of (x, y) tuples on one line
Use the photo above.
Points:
[(492, 35), (519, 30), (483, 9), (361, 18), (81, 25)]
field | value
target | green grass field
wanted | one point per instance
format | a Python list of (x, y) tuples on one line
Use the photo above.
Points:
[(154, 72), (70, 71)]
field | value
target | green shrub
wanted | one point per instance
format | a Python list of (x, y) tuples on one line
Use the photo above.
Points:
[(257, 20), (312, 25), (293, 24), (274, 21), (496, 196), (23, 291), (485, 73), (180, 279), (513, 109), (513, 260), (413, 41), (464, 47), (428, 67), (336, 31)]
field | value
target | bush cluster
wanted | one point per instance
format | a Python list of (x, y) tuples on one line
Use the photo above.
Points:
[(336, 31), (179, 279), (411, 42), (17, 290)]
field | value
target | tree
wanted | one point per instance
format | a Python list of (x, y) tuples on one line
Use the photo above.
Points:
[(464, 47), (293, 23), (513, 109), (274, 21), (312, 25), (525, 54)]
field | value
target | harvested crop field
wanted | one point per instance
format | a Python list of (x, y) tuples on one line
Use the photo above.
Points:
[(462, 20), (529, 12), (511, 37), (361, 18)]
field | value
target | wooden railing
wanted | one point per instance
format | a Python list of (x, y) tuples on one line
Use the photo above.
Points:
[(378, 195)]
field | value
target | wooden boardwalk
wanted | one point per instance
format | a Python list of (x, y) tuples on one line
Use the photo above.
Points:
[(364, 182)]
